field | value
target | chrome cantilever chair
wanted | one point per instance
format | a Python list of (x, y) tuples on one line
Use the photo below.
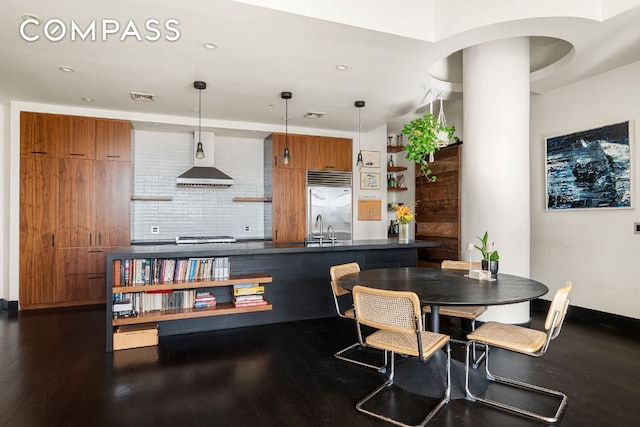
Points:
[(526, 341), (396, 315), (336, 272)]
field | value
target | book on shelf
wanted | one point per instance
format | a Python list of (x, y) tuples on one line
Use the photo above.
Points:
[(153, 271), (124, 314), (248, 290), (122, 305), (250, 303)]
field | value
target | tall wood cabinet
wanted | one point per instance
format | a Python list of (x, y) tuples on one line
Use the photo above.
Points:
[(82, 211), (288, 183)]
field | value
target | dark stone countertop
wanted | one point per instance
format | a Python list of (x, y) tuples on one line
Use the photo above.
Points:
[(171, 250)]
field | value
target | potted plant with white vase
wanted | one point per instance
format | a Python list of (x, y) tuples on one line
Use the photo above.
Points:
[(426, 134), (490, 256)]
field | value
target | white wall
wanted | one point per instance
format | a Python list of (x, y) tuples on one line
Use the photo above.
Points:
[(4, 211), (373, 140), (596, 249)]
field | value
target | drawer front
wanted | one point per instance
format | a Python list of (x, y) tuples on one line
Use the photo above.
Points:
[(83, 261)]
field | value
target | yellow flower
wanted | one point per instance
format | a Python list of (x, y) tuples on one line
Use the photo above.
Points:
[(404, 214)]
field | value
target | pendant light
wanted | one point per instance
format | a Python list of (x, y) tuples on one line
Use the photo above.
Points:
[(200, 86), (359, 161), (286, 96)]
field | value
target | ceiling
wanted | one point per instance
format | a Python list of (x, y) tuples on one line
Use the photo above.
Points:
[(395, 52)]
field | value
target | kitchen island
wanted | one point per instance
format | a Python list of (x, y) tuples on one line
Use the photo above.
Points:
[(297, 285)]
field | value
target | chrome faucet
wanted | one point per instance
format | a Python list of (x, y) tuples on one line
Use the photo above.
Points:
[(331, 235), (319, 220)]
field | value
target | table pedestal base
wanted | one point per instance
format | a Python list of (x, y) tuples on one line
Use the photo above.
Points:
[(428, 378)]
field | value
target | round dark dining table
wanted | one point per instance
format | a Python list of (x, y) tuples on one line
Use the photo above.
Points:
[(436, 287)]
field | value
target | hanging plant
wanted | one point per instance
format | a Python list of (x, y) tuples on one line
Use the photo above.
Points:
[(426, 134)]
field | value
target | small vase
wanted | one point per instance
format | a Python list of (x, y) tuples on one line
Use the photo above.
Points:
[(491, 265), (403, 235)]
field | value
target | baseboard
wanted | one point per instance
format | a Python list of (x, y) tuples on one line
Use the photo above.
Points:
[(622, 323), (8, 305)]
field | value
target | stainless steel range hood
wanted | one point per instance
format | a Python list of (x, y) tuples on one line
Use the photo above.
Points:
[(203, 173)]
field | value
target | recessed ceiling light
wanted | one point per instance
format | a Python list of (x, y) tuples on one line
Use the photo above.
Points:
[(210, 46), (195, 110), (342, 67), (66, 69), (26, 16), (155, 124), (270, 105), (88, 99)]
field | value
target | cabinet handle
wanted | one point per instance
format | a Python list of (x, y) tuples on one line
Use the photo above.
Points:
[(90, 240), (275, 160), (99, 239), (329, 167), (276, 235), (76, 154), (94, 277), (39, 152), (95, 251), (113, 156), (53, 240)]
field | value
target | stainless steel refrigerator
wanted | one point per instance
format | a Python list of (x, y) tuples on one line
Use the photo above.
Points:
[(329, 202)]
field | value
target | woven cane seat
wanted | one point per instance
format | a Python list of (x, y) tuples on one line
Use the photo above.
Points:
[(464, 311), (510, 337), (407, 343)]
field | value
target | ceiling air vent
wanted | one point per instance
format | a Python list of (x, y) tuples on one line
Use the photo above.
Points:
[(314, 114), (139, 96)]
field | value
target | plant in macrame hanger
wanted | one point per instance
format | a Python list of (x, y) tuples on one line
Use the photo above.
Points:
[(427, 134)]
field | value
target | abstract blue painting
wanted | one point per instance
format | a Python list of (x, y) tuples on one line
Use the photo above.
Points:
[(589, 169)]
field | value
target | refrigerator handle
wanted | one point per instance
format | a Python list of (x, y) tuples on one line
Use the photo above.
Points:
[(309, 215)]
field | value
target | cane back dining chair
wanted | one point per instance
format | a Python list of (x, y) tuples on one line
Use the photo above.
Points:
[(396, 316), (336, 272), (470, 312), (467, 312), (526, 341)]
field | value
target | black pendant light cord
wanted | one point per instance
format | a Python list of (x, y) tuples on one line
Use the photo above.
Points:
[(286, 96)]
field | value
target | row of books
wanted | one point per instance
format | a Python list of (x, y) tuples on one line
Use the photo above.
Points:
[(248, 295), (137, 272)]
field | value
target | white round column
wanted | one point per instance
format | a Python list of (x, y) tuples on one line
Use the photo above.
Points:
[(495, 159)]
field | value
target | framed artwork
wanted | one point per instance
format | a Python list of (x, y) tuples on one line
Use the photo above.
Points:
[(369, 181), (589, 169), (371, 159)]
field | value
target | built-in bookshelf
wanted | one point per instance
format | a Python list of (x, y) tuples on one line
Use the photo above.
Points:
[(152, 290)]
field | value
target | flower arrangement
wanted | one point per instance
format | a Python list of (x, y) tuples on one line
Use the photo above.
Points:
[(404, 214)]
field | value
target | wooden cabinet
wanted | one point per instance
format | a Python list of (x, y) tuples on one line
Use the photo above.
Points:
[(113, 140), (289, 205), (297, 150), (113, 194), (325, 153), (40, 134), (38, 229), (81, 206), (76, 210), (79, 140)]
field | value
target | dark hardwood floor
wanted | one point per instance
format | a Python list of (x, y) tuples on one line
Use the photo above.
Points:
[(54, 372)]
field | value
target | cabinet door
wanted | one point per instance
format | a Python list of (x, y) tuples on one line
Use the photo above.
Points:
[(40, 134), (113, 140), (82, 261), (297, 150), (113, 201), (289, 205), (325, 153), (76, 289), (38, 217), (80, 141), (77, 203)]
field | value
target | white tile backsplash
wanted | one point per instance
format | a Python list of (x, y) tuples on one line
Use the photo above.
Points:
[(159, 157)]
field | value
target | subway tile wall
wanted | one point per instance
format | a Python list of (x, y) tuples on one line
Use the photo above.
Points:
[(159, 157)]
